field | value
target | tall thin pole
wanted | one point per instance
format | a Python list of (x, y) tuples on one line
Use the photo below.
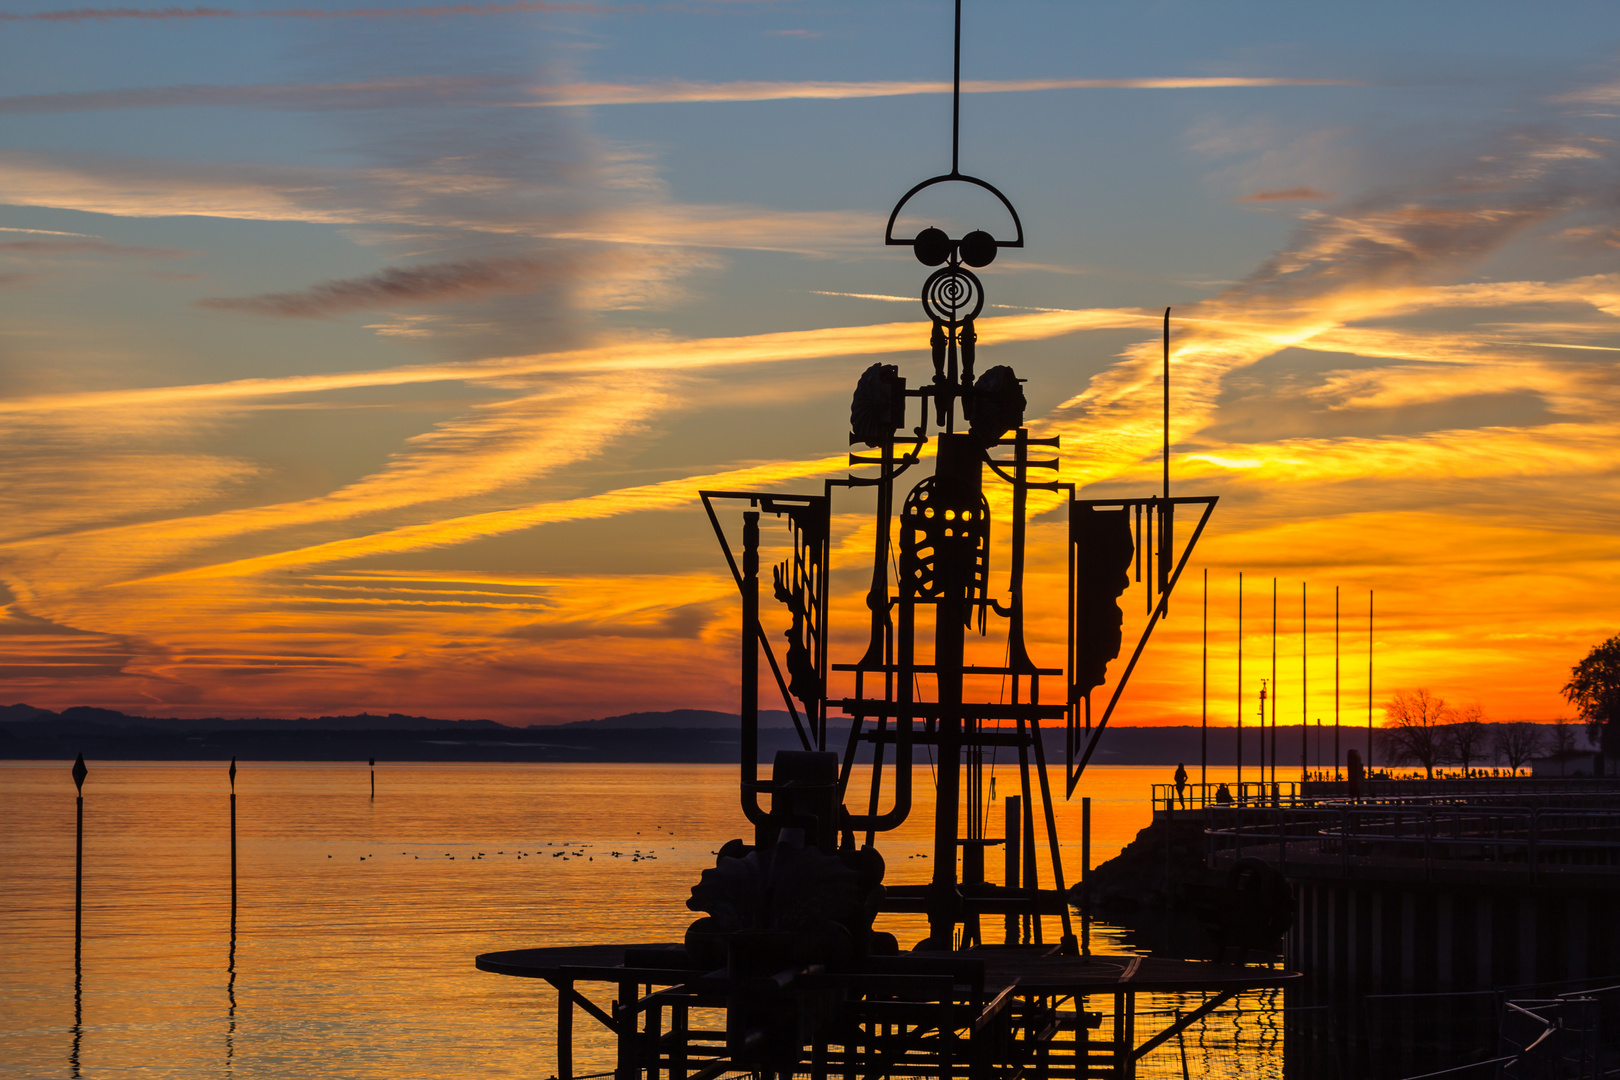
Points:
[(373, 764), (232, 775), (1240, 687), (1305, 678), (1335, 682), (1369, 677), (1085, 874), (1274, 694), (79, 773), (956, 90), (1166, 400), (1203, 733)]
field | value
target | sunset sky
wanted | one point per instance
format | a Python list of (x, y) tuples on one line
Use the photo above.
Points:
[(371, 358)]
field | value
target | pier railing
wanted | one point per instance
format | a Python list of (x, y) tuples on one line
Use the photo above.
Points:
[(1572, 831), (1311, 793)]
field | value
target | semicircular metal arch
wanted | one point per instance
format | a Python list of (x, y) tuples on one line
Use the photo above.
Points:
[(888, 232)]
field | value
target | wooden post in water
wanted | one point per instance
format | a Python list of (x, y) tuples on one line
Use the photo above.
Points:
[(373, 778), (1012, 848), (79, 773), (1085, 876), (232, 775)]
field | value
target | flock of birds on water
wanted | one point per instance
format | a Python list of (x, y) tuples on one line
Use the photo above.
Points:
[(566, 854)]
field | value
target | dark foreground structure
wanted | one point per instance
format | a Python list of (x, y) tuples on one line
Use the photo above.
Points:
[(1466, 925), (786, 971)]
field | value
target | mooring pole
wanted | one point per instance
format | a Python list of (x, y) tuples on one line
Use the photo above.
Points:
[(79, 773), (1012, 849), (373, 764), (1085, 876), (232, 775)]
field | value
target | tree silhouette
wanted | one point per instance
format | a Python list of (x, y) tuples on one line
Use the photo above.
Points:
[(1564, 736), (1517, 743), (1594, 689), (1415, 729), (1465, 737)]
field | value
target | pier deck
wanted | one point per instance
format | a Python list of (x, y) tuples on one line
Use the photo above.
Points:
[(991, 1011)]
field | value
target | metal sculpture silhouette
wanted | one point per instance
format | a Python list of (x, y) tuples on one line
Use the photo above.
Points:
[(942, 581)]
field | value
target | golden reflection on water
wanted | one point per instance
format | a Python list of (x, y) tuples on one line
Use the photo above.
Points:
[(358, 919)]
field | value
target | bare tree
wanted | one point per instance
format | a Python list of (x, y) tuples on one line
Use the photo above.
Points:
[(1465, 736), (1564, 735), (1517, 743), (1414, 729)]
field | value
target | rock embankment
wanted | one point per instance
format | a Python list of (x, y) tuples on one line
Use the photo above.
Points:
[(1153, 871)]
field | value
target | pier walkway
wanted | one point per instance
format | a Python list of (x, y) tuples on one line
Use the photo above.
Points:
[(1431, 885)]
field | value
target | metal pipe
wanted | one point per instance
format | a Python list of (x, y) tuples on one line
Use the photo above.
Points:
[(750, 675)]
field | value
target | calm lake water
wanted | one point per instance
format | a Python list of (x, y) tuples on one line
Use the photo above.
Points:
[(358, 918)]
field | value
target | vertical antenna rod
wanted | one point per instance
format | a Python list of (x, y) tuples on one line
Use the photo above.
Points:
[(1335, 682), (1167, 403), (1203, 736), (1274, 694), (956, 90), (1240, 687), (1369, 676)]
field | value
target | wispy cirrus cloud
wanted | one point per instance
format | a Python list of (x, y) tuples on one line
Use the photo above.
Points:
[(430, 11), (475, 91), (406, 92), (90, 247), (680, 91)]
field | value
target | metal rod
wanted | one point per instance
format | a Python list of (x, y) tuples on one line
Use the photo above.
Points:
[(1240, 687), (1166, 401), (1274, 694), (1335, 682), (956, 92), (1369, 678), (1203, 733)]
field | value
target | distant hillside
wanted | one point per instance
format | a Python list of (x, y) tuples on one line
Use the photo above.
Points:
[(81, 715), (677, 735), (677, 718)]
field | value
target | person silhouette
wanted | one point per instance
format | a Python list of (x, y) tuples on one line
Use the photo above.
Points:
[(1181, 783), (1223, 796), (1353, 761)]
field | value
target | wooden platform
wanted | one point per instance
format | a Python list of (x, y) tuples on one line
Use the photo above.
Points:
[(1031, 968), (994, 1011)]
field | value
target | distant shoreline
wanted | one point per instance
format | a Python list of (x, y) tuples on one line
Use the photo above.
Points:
[(672, 737)]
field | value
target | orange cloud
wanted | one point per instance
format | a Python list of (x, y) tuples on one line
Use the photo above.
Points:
[(1293, 194)]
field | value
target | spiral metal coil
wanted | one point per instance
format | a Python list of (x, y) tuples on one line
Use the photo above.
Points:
[(952, 295)]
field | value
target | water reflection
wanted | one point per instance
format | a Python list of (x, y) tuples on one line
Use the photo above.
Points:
[(358, 921), (78, 1015), (230, 991)]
